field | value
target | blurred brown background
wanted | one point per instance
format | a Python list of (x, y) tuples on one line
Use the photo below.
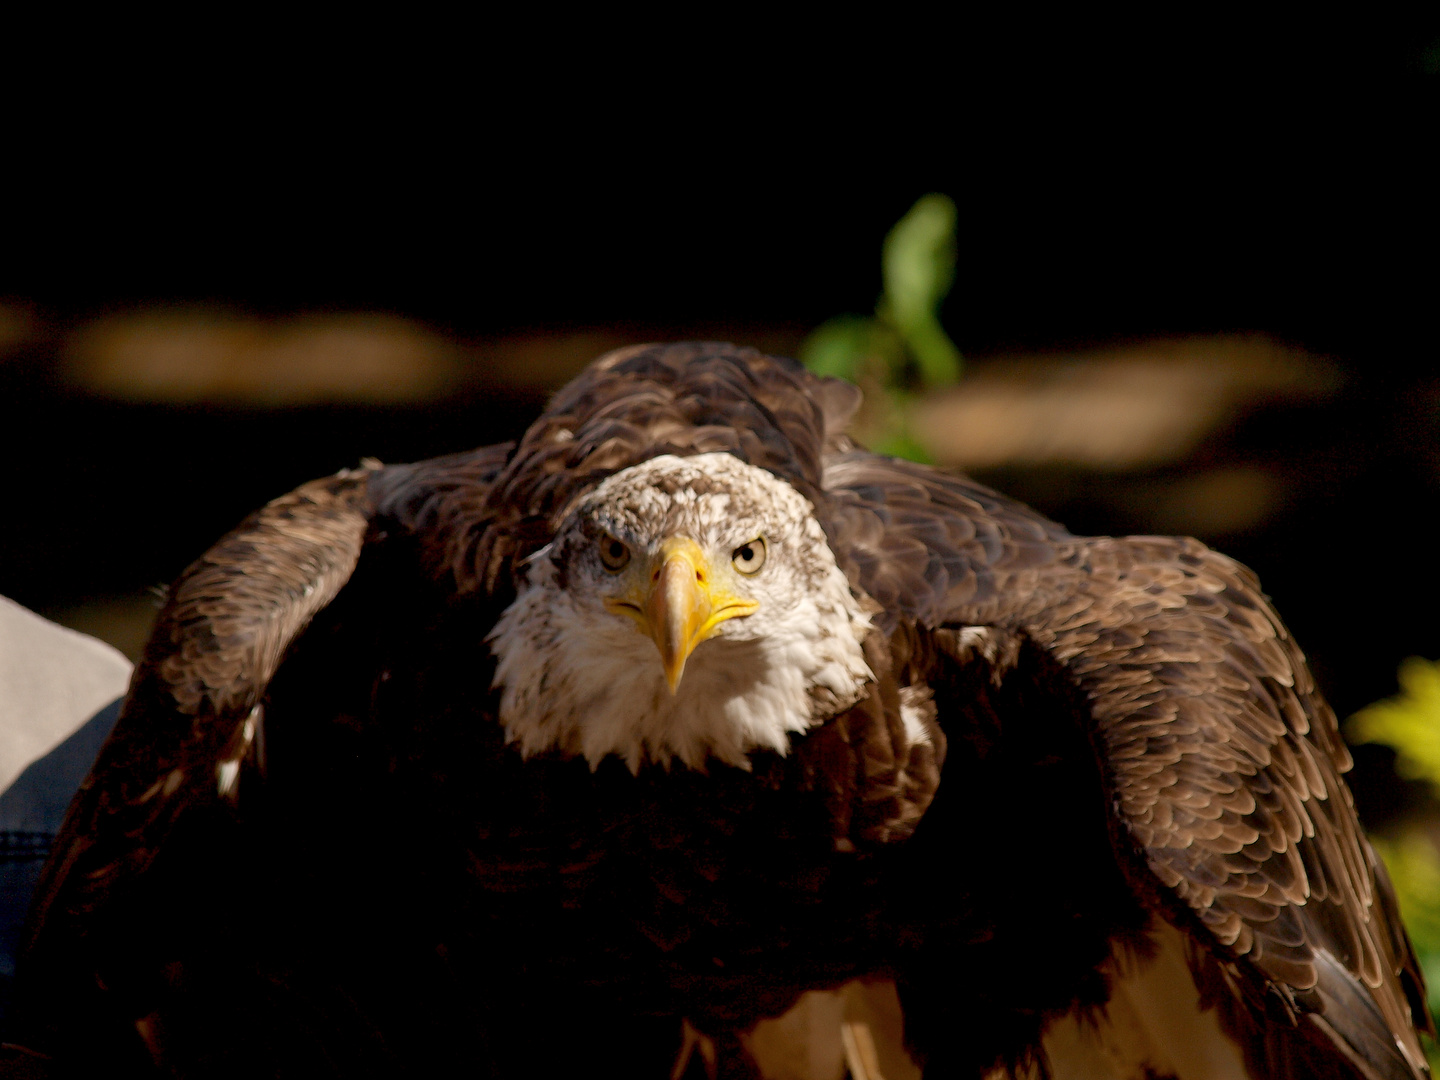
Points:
[(1196, 287)]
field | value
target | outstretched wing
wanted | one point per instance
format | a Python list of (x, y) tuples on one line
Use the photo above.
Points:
[(1223, 760), (192, 730), (193, 713), (1226, 766)]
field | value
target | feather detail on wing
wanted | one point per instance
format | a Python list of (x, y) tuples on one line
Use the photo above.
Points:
[(1226, 769), (194, 708), (935, 548), (190, 738), (1224, 762)]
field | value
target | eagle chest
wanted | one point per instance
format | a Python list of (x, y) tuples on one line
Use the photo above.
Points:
[(659, 882), (693, 879)]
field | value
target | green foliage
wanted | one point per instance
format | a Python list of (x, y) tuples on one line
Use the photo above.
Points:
[(1408, 722), (1414, 867), (902, 349), (919, 268)]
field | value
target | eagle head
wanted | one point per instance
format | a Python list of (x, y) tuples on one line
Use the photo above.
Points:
[(687, 608)]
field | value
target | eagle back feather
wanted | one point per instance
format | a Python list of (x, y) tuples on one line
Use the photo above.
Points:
[(633, 405)]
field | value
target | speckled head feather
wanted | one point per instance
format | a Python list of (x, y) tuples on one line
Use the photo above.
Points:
[(579, 678)]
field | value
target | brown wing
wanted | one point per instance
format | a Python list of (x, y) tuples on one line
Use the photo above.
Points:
[(192, 714), (1226, 765), (191, 731), (1225, 762)]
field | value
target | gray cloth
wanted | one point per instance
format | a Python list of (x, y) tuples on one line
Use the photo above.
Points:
[(59, 696)]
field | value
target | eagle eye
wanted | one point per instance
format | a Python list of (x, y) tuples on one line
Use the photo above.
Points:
[(750, 557), (613, 553)]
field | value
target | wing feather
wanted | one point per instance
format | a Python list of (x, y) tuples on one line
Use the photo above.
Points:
[(1224, 761), (195, 708), (194, 701)]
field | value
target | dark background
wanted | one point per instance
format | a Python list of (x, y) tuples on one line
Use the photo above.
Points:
[(1113, 179), (1114, 182)]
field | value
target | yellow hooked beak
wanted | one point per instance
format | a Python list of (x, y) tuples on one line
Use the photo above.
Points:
[(682, 607)]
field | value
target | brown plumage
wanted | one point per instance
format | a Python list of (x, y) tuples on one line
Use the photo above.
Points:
[(308, 848)]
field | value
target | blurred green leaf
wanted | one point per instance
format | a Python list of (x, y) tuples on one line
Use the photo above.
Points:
[(1408, 722), (1414, 867), (839, 346), (904, 445), (938, 358), (918, 264), (902, 347), (918, 259)]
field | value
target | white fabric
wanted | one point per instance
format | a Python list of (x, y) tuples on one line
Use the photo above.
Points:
[(51, 681), (59, 696)]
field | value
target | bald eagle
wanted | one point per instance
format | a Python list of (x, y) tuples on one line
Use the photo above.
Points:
[(532, 759)]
